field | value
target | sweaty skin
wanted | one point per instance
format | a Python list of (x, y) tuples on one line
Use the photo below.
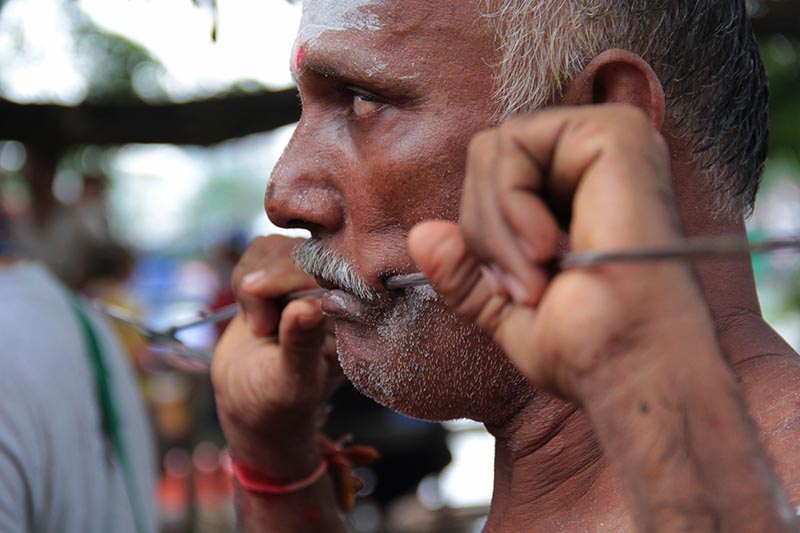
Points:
[(392, 98)]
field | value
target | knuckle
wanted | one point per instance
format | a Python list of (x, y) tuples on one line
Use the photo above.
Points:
[(588, 127), (508, 134)]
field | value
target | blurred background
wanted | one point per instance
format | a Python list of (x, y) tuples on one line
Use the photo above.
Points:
[(136, 139)]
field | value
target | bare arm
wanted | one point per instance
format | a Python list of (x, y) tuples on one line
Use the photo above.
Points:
[(672, 421)]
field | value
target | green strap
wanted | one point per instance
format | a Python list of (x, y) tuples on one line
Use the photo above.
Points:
[(109, 411)]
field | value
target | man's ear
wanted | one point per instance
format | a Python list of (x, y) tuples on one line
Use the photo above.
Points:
[(619, 76)]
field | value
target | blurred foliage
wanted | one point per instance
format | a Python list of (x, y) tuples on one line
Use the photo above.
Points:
[(115, 69), (779, 281), (112, 63), (782, 59)]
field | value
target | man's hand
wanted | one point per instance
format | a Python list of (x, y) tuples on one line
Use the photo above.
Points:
[(633, 344), (609, 169), (274, 367)]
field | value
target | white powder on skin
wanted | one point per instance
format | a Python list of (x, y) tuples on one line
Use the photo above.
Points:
[(376, 68), (320, 16)]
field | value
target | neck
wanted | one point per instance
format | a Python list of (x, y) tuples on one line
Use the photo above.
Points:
[(544, 456), (727, 283)]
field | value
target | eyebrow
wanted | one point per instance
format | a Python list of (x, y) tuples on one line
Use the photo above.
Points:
[(347, 70), (360, 70), (324, 70)]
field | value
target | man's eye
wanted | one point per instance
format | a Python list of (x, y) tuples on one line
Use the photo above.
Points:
[(364, 102), (363, 105)]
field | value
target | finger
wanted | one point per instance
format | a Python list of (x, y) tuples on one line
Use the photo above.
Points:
[(503, 220), (467, 287), (265, 274), (261, 315), (518, 184), (261, 294), (439, 250), (601, 159), (485, 232), (301, 335)]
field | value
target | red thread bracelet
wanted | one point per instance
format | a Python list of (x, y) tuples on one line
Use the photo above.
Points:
[(253, 480), (337, 459)]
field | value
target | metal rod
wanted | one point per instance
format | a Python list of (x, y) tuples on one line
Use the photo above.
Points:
[(404, 281), (690, 248), (230, 311)]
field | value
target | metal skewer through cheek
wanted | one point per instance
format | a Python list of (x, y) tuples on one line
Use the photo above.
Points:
[(691, 248), (688, 249), (168, 346)]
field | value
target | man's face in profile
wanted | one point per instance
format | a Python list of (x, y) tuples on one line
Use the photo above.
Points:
[(392, 93)]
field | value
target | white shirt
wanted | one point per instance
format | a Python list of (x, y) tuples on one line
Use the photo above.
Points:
[(56, 474)]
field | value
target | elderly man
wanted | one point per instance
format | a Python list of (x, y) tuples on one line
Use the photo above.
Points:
[(631, 415)]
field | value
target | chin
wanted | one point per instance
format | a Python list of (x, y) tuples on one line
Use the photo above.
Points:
[(429, 364)]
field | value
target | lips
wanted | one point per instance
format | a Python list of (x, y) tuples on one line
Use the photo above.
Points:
[(343, 305)]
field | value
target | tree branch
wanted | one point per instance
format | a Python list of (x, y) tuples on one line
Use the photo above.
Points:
[(56, 127)]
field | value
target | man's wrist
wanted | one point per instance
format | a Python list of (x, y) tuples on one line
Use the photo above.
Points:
[(286, 457), (672, 421)]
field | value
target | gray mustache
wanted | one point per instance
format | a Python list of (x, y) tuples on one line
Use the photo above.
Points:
[(315, 259)]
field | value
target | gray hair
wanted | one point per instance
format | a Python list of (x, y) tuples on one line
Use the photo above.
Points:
[(703, 51), (314, 258)]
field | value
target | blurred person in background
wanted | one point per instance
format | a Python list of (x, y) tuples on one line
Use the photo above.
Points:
[(76, 447), (58, 234), (107, 267)]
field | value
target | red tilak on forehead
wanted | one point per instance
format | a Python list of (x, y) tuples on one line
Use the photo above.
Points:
[(301, 54)]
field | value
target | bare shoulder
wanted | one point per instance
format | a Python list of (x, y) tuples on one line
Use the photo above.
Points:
[(771, 386)]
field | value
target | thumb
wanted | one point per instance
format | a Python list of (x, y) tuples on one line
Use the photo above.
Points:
[(474, 290), (467, 287), (301, 333)]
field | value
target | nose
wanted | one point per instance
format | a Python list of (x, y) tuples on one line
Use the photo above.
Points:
[(302, 192)]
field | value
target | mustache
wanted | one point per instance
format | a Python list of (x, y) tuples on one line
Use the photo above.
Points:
[(316, 259)]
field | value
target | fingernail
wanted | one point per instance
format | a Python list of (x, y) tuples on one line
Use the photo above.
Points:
[(516, 289), (253, 280)]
